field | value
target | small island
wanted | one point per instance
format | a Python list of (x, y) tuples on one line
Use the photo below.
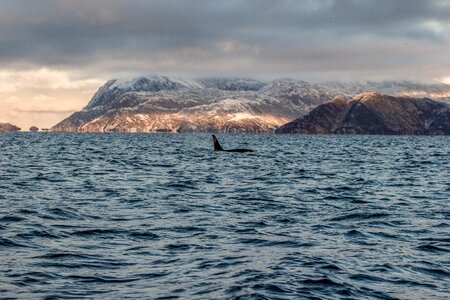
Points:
[(7, 127), (34, 129)]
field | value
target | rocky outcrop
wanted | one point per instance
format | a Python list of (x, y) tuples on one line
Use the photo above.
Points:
[(374, 113), (166, 104), (7, 127), (34, 129)]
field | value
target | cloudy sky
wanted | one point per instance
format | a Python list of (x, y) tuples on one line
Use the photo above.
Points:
[(54, 54)]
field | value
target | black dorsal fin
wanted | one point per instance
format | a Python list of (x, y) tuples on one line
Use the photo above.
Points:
[(217, 146)]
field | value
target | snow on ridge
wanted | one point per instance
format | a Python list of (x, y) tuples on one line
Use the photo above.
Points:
[(242, 116), (151, 82), (288, 90), (393, 88), (233, 84), (145, 82)]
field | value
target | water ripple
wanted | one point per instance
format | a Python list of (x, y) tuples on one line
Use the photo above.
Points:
[(161, 216)]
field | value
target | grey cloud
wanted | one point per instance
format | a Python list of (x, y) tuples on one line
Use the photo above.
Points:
[(192, 36)]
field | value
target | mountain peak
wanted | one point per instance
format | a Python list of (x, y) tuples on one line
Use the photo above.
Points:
[(339, 100), (367, 96)]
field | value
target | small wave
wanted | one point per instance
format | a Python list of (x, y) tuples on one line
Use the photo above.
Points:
[(272, 288), (33, 277), (67, 255), (386, 235), (433, 248), (57, 177), (39, 233), (219, 265), (324, 281), (25, 211), (355, 234), (181, 210), (366, 278), (182, 185), (408, 282), (58, 213), (188, 229), (97, 232), (11, 219), (437, 239), (442, 225), (178, 247), (251, 241), (246, 230), (330, 267), (359, 216), (165, 261), (144, 235), (437, 272), (285, 220), (383, 268), (102, 279), (5, 242)]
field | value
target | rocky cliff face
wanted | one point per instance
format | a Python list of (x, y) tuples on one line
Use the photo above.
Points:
[(7, 127), (164, 104), (374, 113)]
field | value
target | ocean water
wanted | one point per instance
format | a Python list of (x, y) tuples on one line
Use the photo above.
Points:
[(162, 216)]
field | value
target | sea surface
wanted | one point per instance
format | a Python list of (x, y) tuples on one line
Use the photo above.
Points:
[(162, 216)]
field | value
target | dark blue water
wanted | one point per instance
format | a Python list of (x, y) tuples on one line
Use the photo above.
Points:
[(118, 216)]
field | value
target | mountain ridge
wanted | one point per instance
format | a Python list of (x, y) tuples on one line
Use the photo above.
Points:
[(160, 103), (374, 113)]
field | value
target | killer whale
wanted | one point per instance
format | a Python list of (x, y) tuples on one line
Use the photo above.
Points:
[(217, 147)]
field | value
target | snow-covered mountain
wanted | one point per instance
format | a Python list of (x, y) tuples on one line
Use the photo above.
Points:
[(438, 91), (169, 104), (159, 103)]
